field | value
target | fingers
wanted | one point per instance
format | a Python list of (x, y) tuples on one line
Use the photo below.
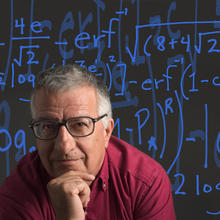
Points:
[(73, 175), (69, 193)]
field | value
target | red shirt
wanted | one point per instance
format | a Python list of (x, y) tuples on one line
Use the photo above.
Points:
[(130, 185)]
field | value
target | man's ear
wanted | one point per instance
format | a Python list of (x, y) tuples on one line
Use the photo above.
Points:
[(108, 131)]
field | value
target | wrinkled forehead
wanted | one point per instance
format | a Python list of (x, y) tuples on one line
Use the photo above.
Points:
[(80, 96)]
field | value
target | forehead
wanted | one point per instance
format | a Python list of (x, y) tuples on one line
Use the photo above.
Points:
[(81, 101)]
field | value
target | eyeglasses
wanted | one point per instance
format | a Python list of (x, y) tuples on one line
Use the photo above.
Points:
[(78, 127)]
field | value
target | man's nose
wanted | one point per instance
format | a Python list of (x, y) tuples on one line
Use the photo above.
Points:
[(64, 141)]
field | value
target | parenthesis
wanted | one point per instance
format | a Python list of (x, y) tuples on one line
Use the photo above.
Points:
[(181, 133), (164, 130), (110, 77), (153, 96), (182, 80)]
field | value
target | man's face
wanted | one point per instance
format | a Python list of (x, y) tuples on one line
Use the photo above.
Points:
[(66, 152)]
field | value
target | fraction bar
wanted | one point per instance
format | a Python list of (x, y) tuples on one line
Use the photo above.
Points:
[(29, 38), (24, 100)]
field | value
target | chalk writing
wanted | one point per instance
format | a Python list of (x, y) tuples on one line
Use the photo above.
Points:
[(160, 65)]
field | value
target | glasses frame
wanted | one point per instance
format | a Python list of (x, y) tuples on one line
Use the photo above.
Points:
[(64, 123)]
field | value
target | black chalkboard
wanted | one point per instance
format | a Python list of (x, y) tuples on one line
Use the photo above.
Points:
[(160, 60)]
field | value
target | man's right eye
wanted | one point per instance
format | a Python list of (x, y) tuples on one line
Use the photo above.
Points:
[(48, 126)]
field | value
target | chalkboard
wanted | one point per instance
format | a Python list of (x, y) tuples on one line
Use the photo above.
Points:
[(160, 60)]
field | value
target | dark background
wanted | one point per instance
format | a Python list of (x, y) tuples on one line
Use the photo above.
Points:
[(175, 120)]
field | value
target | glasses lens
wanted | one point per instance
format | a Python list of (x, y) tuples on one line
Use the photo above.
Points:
[(45, 129), (80, 126)]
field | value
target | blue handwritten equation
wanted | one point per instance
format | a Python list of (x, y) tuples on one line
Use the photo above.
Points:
[(160, 62)]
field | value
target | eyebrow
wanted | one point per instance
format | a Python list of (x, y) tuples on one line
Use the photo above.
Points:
[(46, 118), (57, 120)]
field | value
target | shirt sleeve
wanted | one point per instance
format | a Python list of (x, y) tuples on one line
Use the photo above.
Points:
[(10, 209), (23, 194), (22, 204), (154, 201)]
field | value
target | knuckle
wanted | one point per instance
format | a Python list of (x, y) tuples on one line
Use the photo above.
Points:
[(52, 182), (64, 186)]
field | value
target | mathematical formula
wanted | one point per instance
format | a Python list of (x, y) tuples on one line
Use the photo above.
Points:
[(160, 65)]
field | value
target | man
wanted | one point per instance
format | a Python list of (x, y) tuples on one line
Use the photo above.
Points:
[(80, 171)]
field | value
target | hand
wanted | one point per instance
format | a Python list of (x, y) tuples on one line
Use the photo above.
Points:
[(69, 194)]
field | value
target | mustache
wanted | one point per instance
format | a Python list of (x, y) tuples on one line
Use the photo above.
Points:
[(68, 156)]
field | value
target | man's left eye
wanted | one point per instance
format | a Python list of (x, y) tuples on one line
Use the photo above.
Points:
[(81, 124)]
